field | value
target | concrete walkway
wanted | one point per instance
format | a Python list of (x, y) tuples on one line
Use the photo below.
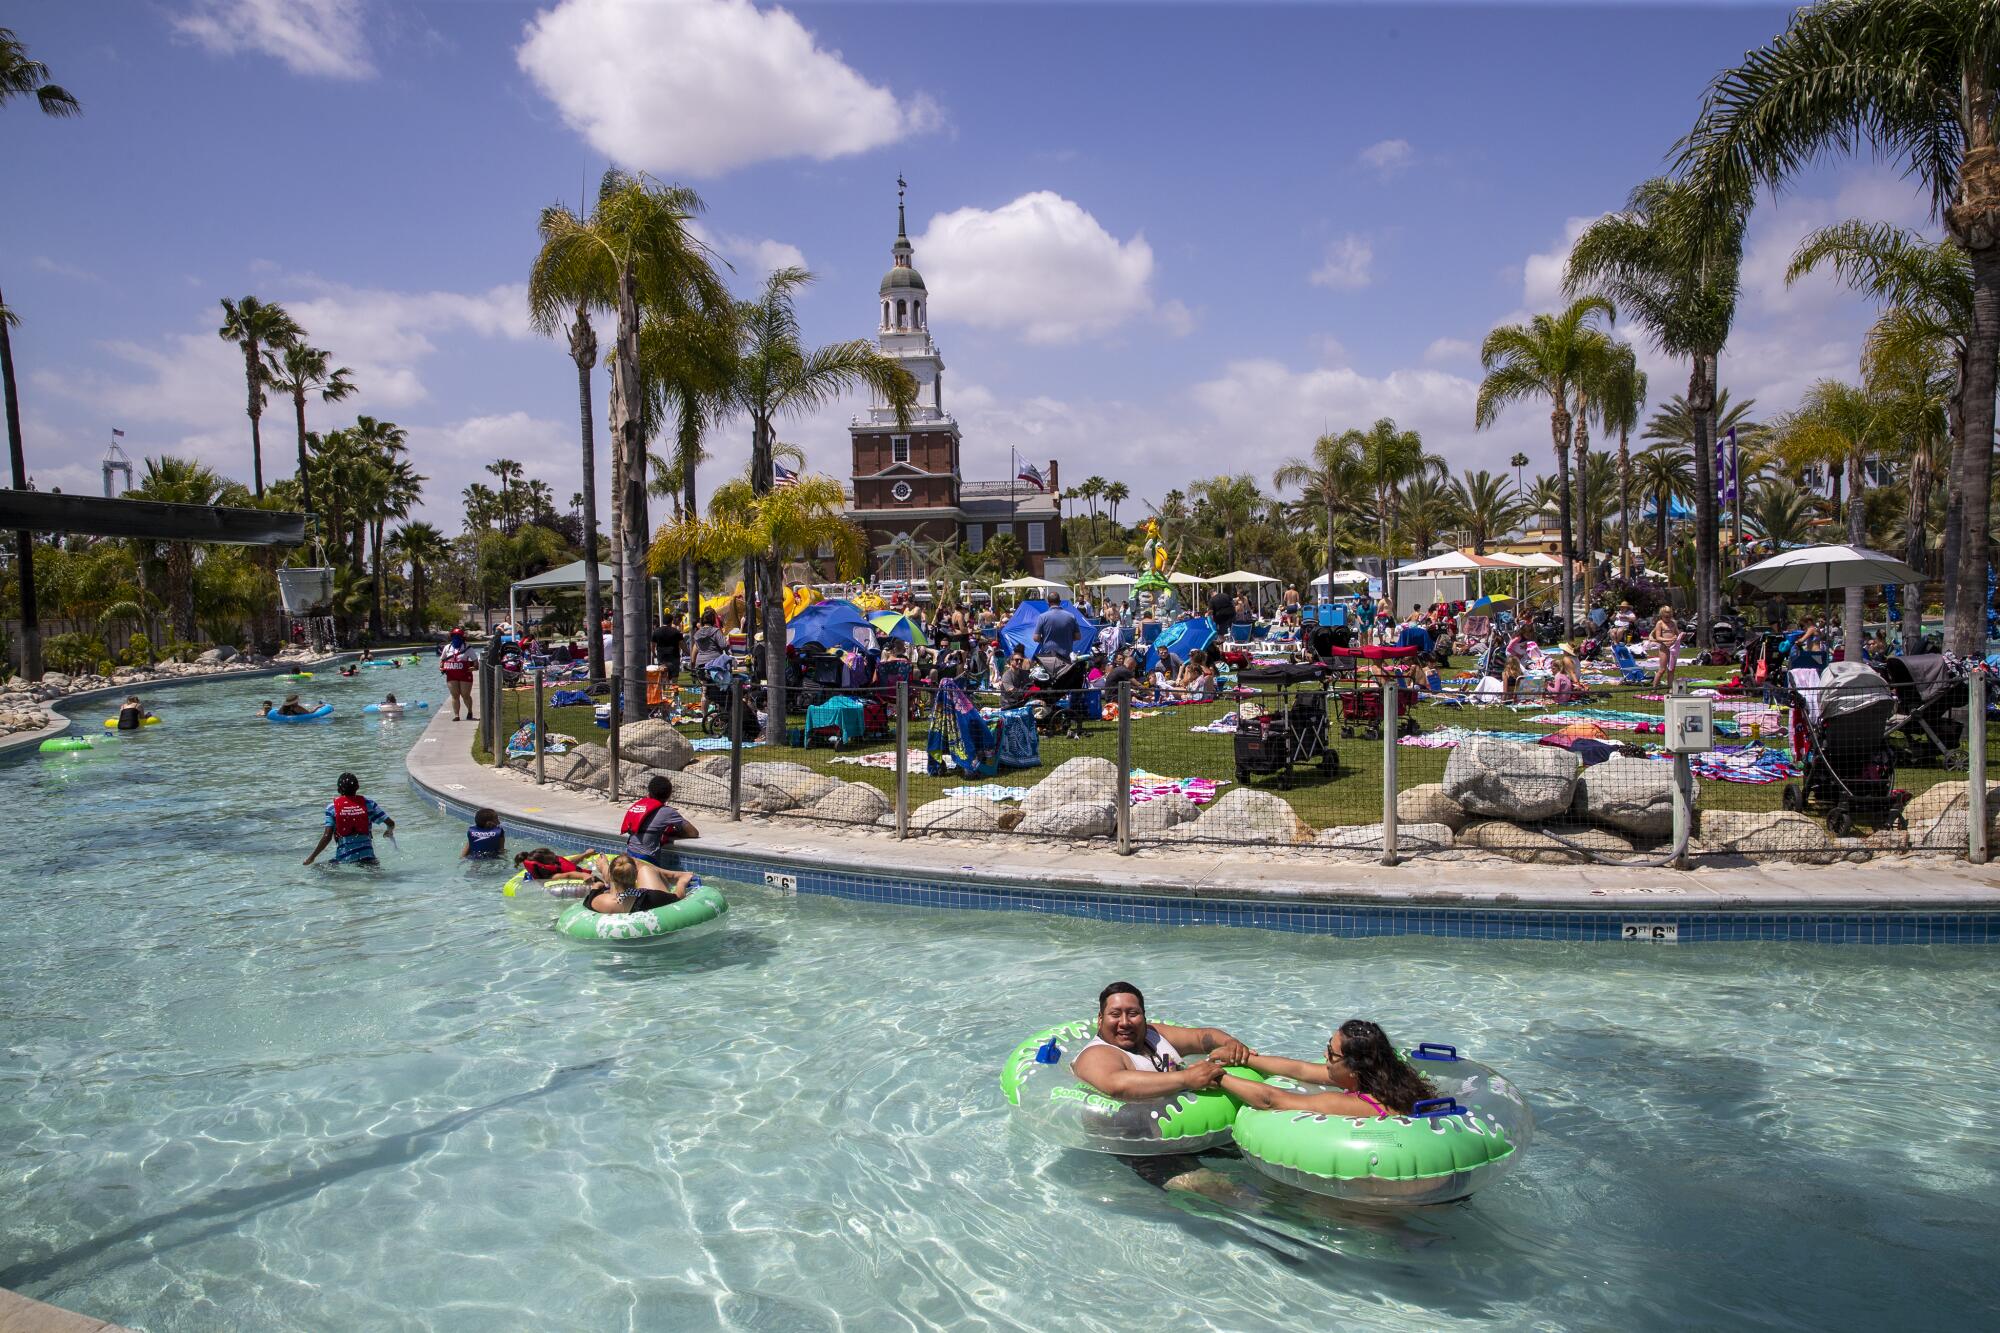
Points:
[(19, 1314), (440, 764)]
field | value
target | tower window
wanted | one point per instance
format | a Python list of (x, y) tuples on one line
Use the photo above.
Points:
[(885, 314), (975, 538), (901, 314), (899, 448), (1036, 544)]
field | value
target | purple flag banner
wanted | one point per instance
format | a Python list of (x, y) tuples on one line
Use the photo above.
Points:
[(1725, 467)]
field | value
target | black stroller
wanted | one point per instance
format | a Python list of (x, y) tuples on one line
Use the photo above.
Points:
[(1057, 695), (1930, 709), (1843, 747), (1275, 738)]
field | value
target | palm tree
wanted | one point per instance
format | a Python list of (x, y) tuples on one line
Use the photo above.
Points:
[(21, 76), (1840, 426), (1429, 508), (1329, 478), (507, 470), (685, 365), (1781, 513), (551, 300), (252, 325), (297, 370), (1391, 458), (1517, 462), (1547, 358), (1663, 472), (1229, 504), (1916, 381), (1487, 506), (423, 547), (1915, 80), (1115, 494), (171, 480), (1621, 397), (1926, 288), (775, 375), (1671, 262), (635, 255)]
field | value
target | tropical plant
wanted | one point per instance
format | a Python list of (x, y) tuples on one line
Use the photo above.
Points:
[(1620, 398), (1780, 513), (424, 548), (1391, 458), (21, 76), (686, 366), (171, 480), (1546, 358), (1671, 262), (1428, 510), (295, 370), (1488, 505), (1115, 494), (253, 326), (1330, 478), (1226, 506), (1663, 473), (1913, 80)]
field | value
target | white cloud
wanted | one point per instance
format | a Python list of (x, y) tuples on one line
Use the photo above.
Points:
[(1176, 318), (1041, 265), (1349, 263), (1542, 274), (1446, 351), (1387, 157), (63, 270), (706, 86), (316, 37), (752, 258)]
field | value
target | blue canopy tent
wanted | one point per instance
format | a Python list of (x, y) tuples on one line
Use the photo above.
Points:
[(1181, 638), (1019, 631), (835, 624), (1677, 509)]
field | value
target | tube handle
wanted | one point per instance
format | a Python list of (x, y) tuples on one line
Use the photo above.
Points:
[(1431, 1108), (1434, 1050)]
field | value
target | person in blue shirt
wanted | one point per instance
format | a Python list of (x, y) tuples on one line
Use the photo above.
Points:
[(1055, 632), (485, 840), (1414, 635), (350, 821)]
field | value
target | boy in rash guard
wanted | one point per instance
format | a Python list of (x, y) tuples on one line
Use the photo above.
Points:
[(485, 840), (350, 819), (651, 824)]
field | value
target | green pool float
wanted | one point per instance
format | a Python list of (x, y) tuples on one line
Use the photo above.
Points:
[(702, 906), (64, 744), (1468, 1136), (1058, 1105)]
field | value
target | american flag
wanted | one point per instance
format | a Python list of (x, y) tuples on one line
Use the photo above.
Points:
[(1032, 475), (782, 476), (117, 433)]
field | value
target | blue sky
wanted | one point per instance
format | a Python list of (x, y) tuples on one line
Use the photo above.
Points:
[(1162, 241)]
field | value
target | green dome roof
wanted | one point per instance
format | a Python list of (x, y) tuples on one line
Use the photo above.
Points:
[(898, 279)]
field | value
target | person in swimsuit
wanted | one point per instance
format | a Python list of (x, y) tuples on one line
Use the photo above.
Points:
[(624, 884), (132, 715), (1363, 1076), (1131, 1058)]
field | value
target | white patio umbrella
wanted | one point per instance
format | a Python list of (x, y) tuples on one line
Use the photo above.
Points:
[(1242, 576), (1112, 581), (1343, 577), (1824, 569), (1178, 577)]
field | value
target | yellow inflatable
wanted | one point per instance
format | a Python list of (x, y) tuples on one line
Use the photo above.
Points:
[(112, 722)]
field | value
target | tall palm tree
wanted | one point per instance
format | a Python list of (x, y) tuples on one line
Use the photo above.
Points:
[(297, 370), (1488, 505), (1621, 397), (685, 368), (1545, 359), (1391, 458), (1330, 478), (635, 255), (1926, 289), (508, 471), (1429, 508), (1916, 380), (21, 76), (552, 299), (1517, 462), (424, 548), (1671, 261), (1115, 494), (1663, 472), (775, 375), (1914, 80), (172, 480), (1228, 504), (254, 325), (1780, 513)]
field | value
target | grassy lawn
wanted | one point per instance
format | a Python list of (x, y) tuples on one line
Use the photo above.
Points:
[(1162, 744)]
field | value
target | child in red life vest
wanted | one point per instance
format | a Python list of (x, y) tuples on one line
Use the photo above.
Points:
[(350, 819), (650, 824)]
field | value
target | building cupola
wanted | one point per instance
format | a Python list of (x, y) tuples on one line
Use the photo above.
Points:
[(902, 291)]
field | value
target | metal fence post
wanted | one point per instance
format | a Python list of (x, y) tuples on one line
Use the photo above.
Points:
[(735, 748), (617, 710), (1124, 768), (903, 758), (541, 740), (1391, 729), (1683, 809), (1975, 768)]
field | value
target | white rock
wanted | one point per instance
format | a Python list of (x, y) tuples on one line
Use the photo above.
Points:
[(851, 803), (1247, 814), (1411, 838), (1162, 813), (1510, 780), (1636, 795), (1427, 804), (655, 744), (1078, 819)]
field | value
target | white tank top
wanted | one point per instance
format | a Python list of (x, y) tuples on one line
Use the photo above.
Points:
[(1141, 1061)]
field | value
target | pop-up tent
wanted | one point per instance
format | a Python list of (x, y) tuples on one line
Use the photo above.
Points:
[(1181, 638), (1019, 631), (832, 624)]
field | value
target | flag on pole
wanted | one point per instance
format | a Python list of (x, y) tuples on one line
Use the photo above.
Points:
[(782, 476), (117, 433), (1031, 474)]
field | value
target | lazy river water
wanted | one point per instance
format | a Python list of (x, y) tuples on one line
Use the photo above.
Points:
[(236, 1092)]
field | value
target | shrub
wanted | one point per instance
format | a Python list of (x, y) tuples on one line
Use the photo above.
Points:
[(73, 654)]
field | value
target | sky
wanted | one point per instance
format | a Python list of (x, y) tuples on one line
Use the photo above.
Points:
[(1161, 241)]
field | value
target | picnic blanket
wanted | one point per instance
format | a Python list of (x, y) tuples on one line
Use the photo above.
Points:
[(882, 759), (706, 744), (1755, 764), (985, 791), (1222, 726), (521, 744), (1149, 787)]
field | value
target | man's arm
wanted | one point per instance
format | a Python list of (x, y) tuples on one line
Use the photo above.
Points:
[(1205, 1041), (1106, 1071)]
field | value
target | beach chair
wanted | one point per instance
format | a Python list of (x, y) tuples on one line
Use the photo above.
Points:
[(1629, 669)]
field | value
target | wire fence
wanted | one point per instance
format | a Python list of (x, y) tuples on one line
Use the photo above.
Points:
[(1378, 759)]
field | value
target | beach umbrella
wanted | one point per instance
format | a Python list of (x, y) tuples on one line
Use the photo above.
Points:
[(1825, 569), (896, 625), (1488, 603)]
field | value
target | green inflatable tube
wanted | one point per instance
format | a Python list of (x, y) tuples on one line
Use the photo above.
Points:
[(701, 906), (1059, 1106), (1470, 1135), (63, 744)]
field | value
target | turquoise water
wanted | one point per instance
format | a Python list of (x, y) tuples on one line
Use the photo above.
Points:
[(240, 1093)]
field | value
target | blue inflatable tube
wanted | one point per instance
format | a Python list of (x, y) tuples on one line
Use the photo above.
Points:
[(320, 714), (376, 708)]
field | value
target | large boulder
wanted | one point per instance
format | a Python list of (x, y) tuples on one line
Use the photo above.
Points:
[(581, 766), (654, 744), (704, 791), (215, 656), (1251, 816), (975, 815), (850, 803), (1162, 813), (55, 680), (1078, 819), (1781, 833), (714, 765), (1510, 780), (802, 784), (1084, 778), (1427, 804), (1410, 838), (1940, 817), (1540, 846), (1636, 795)]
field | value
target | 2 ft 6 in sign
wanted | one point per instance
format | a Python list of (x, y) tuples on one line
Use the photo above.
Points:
[(1650, 932)]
